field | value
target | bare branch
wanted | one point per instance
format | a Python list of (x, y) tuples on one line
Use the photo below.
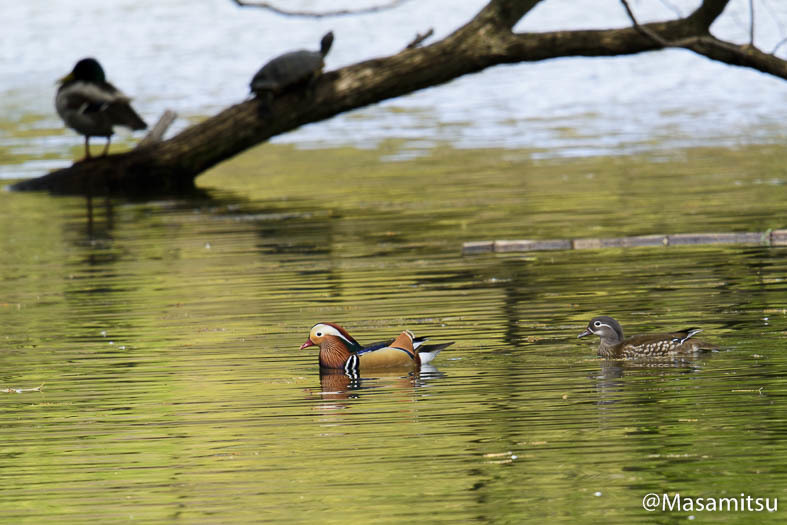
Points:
[(170, 166), (313, 14), (708, 12), (503, 12), (672, 8), (156, 133), (645, 31), (420, 38), (743, 55), (775, 19), (751, 22), (711, 47)]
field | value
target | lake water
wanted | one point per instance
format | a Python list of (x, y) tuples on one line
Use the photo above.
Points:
[(166, 337), (164, 334)]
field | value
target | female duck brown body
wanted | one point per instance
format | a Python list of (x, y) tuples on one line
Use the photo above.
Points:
[(614, 346)]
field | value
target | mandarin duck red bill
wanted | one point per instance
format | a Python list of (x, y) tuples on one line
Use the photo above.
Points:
[(339, 350), (614, 346)]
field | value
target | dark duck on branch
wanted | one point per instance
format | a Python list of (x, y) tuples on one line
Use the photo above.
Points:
[(91, 106)]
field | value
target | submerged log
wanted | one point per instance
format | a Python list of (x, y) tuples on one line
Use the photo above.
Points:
[(170, 166), (766, 238)]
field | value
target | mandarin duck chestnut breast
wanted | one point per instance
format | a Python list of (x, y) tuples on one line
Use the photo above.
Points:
[(614, 346), (339, 350)]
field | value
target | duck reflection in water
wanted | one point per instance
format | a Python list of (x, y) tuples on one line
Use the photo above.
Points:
[(613, 387), (336, 385)]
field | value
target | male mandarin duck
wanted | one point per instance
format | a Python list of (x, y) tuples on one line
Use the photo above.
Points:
[(614, 346), (91, 106), (338, 350)]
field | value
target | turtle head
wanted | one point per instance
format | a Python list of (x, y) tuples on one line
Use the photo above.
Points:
[(326, 43)]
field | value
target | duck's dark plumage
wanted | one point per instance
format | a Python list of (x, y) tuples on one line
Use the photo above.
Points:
[(91, 106)]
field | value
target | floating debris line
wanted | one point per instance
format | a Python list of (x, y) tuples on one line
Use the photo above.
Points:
[(21, 390), (766, 238)]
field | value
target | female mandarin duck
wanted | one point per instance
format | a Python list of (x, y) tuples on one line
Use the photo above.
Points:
[(91, 106), (339, 350), (614, 346)]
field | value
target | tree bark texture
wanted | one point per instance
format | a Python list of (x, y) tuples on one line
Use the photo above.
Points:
[(487, 40)]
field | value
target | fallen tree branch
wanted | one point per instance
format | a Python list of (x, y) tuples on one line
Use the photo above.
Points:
[(746, 55), (172, 165)]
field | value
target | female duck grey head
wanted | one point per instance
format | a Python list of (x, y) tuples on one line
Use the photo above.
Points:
[(608, 329)]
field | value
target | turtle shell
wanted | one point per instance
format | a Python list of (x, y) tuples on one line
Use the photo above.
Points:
[(291, 68), (287, 70)]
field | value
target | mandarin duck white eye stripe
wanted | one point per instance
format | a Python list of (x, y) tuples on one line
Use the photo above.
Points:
[(599, 324), (691, 333), (321, 330)]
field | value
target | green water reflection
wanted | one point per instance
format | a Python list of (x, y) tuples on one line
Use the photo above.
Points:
[(166, 335)]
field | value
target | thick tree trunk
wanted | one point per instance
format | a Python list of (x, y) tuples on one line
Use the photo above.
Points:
[(487, 40)]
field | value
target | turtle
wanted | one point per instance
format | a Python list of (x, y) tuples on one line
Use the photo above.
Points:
[(91, 106), (289, 70)]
